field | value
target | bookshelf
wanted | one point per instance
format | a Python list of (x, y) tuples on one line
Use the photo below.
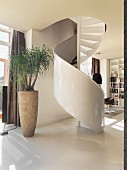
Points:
[(117, 81)]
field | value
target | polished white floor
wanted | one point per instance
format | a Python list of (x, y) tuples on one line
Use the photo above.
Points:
[(63, 146)]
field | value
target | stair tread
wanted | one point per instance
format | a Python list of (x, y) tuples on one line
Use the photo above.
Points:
[(86, 48), (93, 29), (91, 37), (94, 26), (89, 41), (90, 33), (82, 53)]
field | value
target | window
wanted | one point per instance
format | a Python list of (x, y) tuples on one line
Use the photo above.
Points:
[(4, 36), (5, 43), (4, 52)]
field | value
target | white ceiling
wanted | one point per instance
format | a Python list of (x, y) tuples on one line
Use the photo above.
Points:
[(38, 14)]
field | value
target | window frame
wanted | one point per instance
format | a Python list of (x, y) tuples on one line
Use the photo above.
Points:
[(6, 61)]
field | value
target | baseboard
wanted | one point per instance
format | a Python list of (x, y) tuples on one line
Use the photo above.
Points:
[(57, 119)]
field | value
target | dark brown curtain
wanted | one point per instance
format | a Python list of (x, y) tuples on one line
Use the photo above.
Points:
[(95, 66), (18, 42)]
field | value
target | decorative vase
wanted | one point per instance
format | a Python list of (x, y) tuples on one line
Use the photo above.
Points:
[(28, 109)]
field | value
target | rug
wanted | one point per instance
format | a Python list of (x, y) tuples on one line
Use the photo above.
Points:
[(113, 113)]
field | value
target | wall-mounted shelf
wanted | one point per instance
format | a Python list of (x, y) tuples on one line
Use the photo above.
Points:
[(117, 81)]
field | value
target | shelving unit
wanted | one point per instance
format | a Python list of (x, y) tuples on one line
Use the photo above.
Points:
[(117, 81)]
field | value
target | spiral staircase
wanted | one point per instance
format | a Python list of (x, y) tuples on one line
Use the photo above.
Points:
[(90, 35), (79, 95)]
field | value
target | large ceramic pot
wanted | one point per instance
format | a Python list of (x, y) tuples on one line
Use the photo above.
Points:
[(28, 109)]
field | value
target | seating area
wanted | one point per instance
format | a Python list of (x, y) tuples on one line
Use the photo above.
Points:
[(109, 101)]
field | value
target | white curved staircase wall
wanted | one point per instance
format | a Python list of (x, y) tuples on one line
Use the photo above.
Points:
[(78, 95), (75, 92)]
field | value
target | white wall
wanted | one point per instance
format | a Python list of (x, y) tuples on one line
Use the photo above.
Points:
[(104, 71), (54, 34), (49, 110), (28, 37)]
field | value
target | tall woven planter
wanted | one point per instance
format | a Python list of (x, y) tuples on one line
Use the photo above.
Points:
[(28, 109)]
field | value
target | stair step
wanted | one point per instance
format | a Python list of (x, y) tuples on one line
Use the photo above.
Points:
[(91, 34), (93, 29), (82, 54), (90, 21), (91, 37), (82, 59), (85, 48), (89, 41), (86, 51), (88, 44)]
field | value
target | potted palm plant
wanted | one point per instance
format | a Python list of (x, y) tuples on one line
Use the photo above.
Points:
[(25, 68)]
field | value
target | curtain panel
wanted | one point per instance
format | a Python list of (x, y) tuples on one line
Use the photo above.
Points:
[(95, 66), (18, 42)]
